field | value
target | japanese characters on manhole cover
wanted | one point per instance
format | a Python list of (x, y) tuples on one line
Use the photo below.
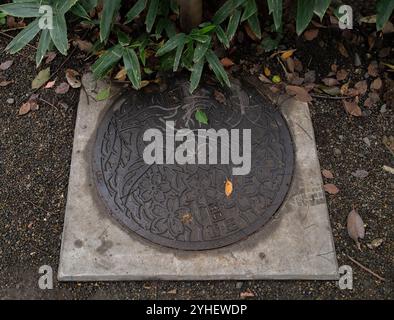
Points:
[(189, 172)]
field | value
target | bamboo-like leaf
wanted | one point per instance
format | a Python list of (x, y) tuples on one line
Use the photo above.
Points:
[(217, 68), (321, 7), (384, 10), (226, 10), (304, 14), (136, 10), (222, 36), (151, 15), (276, 7), (200, 51), (178, 53), (254, 25), (109, 10), (22, 10), (132, 67), (196, 75), (24, 37), (59, 33), (171, 44), (250, 10), (43, 46), (233, 24), (107, 61)]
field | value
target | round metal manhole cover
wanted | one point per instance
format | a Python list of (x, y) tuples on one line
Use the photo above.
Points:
[(188, 185)]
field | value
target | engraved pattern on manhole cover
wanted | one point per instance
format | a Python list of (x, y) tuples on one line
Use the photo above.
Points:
[(185, 206)]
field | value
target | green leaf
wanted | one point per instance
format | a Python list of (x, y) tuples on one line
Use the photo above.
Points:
[(42, 77), (24, 37), (80, 11), (132, 67), (233, 24), (22, 10), (63, 6), (304, 14), (196, 75), (201, 116), (151, 15), (43, 46), (103, 94), (59, 33), (276, 7), (109, 10), (200, 51), (254, 25), (123, 38), (171, 44), (250, 10), (384, 10), (222, 36), (217, 68), (226, 10), (321, 7), (136, 10), (105, 63), (178, 54)]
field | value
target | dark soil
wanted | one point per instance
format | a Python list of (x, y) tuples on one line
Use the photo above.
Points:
[(35, 154)]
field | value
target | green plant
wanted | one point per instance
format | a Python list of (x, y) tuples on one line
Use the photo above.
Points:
[(158, 40)]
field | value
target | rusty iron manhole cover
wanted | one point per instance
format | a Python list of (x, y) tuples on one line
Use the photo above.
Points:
[(185, 206)]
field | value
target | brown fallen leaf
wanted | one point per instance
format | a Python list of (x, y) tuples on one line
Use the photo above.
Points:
[(310, 76), (299, 93), (362, 87), (72, 77), (267, 72), (250, 32), (330, 82), (228, 188), (264, 79), (352, 108), (62, 88), (290, 64), (342, 75), (327, 174), (50, 84), (342, 50), (298, 65), (376, 84), (4, 83), (6, 65), (219, 97), (373, 69), (247, 294), (311, 34), (30, 105), (83, 45), (121, 75), (50, 56), (227, 62), (355, 227), (375, 243), (287, 54), (331, 188), (334, 68)]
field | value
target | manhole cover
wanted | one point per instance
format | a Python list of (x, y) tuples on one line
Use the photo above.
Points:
[(185, 198)]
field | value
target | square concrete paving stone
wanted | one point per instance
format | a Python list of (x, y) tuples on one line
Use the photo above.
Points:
[(296, 244)]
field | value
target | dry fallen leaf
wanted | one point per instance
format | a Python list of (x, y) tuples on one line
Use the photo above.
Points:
[(360, 174), (287, 54), (50, 57), (342, 75), (373, 69), (375, 243), (41, 78), (290, 64), (219, 97), (342, 50), (376, 84), (6, 65), (62, 88), (121, 75), (30, 105), (352, 108), (264, 79), (247, 294), (228, 188), (299, 93), (311, 34), (250, 32), (355, 227), (361, 86), (227, 62), (267, 72), (50, 84), (83, 45), (330, 82), (72, 77), (327, 174), (331, 188), (4, 83)]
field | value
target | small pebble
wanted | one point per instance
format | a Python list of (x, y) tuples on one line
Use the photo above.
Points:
[(10, 101), (383, 108), (357, 60), (367, 141), (239, 285), (337, 152)]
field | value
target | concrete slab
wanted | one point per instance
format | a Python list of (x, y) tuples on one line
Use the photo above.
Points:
[(296, 244)]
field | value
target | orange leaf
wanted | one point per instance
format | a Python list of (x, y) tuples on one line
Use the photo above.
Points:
[(228, 188), (227, 62), (331, 188)]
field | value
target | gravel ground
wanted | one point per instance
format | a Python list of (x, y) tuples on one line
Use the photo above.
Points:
[(35, 154)]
